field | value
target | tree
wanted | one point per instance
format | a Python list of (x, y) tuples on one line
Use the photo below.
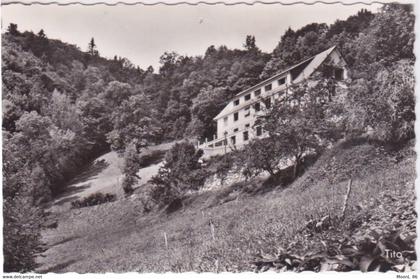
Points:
[(210, 51), (115, 93), (92, 48), (382, 108), (206, 106), (149, 70), (302, 122), (63, 112), (250, 43), (134, 123), (96, 122), (168, 61), (176, 113), (261, 155), (132, 164), (56, 117), (23, 184), (41, 34), (388, 38), (181, 172), (13, 29), (21, 227)]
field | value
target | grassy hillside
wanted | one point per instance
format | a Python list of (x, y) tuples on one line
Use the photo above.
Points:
[(104, 175), (229, 229), (63, 107)]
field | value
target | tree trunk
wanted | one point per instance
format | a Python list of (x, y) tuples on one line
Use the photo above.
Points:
[(296, 166)]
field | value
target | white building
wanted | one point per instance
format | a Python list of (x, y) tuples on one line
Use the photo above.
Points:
[(235, 123)]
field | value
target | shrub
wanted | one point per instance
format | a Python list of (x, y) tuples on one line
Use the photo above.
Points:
[(364, 254), (261, 155), (132, 164), (180, 173), (127, 184), (93, 199)]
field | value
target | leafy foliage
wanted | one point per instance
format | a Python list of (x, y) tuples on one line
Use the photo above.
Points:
[(56, 119), (362, 244), (386, 108), (93, 199), (261, 155), (302, 122), (132, 163), (181, 172), (63, 106), (367, 255)]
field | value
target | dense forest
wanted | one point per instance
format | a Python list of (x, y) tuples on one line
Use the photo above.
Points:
[(63, 106)]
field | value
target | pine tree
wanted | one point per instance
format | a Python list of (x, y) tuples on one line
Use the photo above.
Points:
[(92, 49), (13, 29), (41, 34), (150, 70), (250, 43)]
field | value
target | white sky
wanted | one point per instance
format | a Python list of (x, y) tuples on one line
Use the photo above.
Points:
[(144, 33)]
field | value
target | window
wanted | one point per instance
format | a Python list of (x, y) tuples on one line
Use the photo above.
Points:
[(259, 131), (339, 74), (233, 140), (235, 130), (268, 87), (247, 97), (247, 111), (257, 92), (225, 121), (257, 106), (236, 102), (246, 136), (235, 116), (282, 81), (267, 102)]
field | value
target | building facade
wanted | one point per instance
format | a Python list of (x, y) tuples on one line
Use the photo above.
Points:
[(235, 123)]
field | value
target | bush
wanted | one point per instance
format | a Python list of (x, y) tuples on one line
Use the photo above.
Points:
[(132, 164), (221, 165), (261, 155), (94, 199), (180, 173), (127, 184)]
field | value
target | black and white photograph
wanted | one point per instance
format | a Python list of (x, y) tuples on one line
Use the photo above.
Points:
[(209, 138)]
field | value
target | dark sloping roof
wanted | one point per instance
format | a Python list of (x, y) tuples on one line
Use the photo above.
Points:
[(299, 72)]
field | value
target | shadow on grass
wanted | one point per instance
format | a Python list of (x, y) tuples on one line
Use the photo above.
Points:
[(91, 170), (254, 187), (71, 238), (152, 157), (68, 194), (58, 267)]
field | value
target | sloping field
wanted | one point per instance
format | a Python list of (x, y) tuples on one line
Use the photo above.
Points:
[(104, 175), (227, 229)]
